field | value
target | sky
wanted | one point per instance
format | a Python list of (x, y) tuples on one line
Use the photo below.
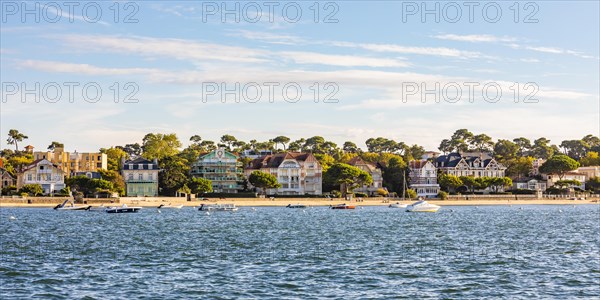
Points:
[(104, 73)]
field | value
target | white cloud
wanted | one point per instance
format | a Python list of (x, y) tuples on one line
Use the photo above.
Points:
[(341, 60), (86, 69), (475, 38)]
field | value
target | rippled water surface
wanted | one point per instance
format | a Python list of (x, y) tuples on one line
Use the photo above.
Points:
[(280, 253)]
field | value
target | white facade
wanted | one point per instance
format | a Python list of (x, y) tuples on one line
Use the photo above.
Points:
[(532, 184), (423, 178), (44, 173), (375, 173), (553, 178), (298, 173)]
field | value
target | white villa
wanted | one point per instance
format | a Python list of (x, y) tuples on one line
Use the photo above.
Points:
[(423, 178), (298, 173), (470, 164), (43, 172), (141, 177)]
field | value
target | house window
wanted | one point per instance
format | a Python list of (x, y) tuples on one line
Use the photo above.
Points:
[(141, 176), (140, 166), (130, 177), (99, 157), (29, 177), (150, 177), (41, 167)]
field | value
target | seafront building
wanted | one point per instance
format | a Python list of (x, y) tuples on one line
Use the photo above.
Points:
[(6, 179), (374, 171), (530, 184), (140, 176), (551, 179), (423, 178), (298, 173), (43, 172), (72, 162), (222, 168), (477, 164)]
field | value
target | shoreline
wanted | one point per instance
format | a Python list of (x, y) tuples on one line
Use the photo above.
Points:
[(242, 202)]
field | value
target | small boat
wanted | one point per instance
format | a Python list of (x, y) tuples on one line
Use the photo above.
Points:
[(170, 206), (422, 206), (72, 206), (218, 207), (122, 209), (296, 206), (397, 205), (343, 206)]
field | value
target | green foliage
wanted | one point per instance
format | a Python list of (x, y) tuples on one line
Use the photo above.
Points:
[(559, 164), (567, 183), (394, 174), (382, 192), (115, 178), (9, 190), (174, 173), (14, 137), (590, 159), (200, 185), (55, 145), (113, 157), (160, 146), (228, 140), (283, 140), (442, 195), (593, 184), (89, 186), (505, 151), (449, 182), (263, 180), (519, 167), (542, 149), (411, 194), (336, 194), (362, 195), (325, 160), (350, 147), (347, 177), (32, 190)]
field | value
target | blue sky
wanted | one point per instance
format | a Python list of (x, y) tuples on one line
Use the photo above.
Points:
[(370, 57)]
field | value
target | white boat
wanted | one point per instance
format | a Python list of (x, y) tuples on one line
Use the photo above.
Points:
[(218, 207), (122, 209), (422, 206), (71, 206), (397, 205), (170, 206)]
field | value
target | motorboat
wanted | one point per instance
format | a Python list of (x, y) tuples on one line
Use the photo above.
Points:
[(218, 207), (343, 206), (71, 206), (422, 206), (170, 206), (122, 209), (296, 206), (397, 205)]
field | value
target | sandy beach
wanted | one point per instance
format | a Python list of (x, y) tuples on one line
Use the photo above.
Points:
[(305, 201)]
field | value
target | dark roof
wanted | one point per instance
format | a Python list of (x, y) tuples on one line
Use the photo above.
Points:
[(274, 160), (145, 164), (452, 159)]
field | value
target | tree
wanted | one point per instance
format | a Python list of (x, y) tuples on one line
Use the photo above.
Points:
[(499, 182), (228, 140), (470, 182), (590, 159), (541, 149), (173, 174), (88, 186), (449, 182), (591, 140), (459, 139), (196, 139), (416, 151), (132, 150), (160, 146), (114, 177), (55, 145), (314, 144), (394, 174), (519, 167), (347, 177), (593, 184), (200, 185), (559, 164), (14, 137), (350, 147), (263, 181), (208, 146), (445, 146), (575, 149), (32, 189), (283, 140), (114, 156), (325, 160), (482, 143), (505, 150), (561, 184), (524, 145)]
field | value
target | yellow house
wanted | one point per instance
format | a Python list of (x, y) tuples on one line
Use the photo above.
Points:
[(75, 161)]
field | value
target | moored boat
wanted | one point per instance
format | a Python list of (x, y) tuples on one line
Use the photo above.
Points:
[(397, 205), (170, 206), (122, 209), (296, 206), (343, 206), (71, 206), (218, 207), (422, 206)]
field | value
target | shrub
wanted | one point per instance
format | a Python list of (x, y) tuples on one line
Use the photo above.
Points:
[(443, 195), (32, 189), (382, 192), (411, 194), (363, 195), (336, 194)]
